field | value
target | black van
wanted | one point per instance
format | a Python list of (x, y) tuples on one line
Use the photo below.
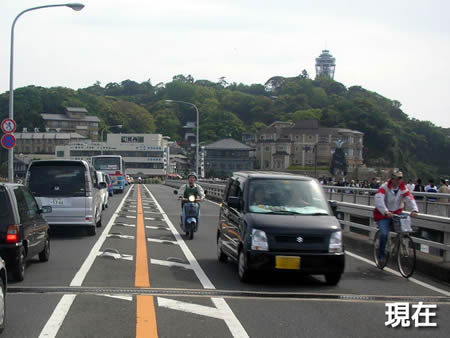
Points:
[(277, 221)]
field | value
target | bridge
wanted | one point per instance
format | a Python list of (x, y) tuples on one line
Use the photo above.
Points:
[(139, 277)]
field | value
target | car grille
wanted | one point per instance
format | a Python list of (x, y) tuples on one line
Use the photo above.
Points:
[(293, 239)]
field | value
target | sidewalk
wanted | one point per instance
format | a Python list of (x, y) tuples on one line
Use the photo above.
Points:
[(429, 265)]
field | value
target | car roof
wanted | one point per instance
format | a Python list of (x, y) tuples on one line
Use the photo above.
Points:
[(272, 175)]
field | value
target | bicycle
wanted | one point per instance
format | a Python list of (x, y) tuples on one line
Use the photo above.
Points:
[(402, 246)]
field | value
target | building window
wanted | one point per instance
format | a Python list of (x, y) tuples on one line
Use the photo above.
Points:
[(267, 149), (60, 154)]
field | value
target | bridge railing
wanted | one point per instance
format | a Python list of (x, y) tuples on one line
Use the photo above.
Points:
[(355, 211)]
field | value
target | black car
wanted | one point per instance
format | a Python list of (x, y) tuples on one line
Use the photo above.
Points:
[(23, 229), (277, 221), (3, 286)]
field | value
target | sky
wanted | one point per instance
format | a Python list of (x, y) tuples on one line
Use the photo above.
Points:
[(399, 49)]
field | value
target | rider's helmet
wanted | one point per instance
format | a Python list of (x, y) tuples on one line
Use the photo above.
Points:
[(397, 174), (192, 174)]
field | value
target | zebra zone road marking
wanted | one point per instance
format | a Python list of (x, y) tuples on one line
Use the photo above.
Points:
[(226, 314)]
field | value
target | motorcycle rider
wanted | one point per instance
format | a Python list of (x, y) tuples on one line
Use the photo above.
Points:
[(191, 188)]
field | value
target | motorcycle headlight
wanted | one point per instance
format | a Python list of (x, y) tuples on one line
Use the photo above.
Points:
[(335, 242), (259, 240), (191, 198)]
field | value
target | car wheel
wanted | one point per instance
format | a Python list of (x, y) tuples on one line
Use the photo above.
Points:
[(103, 206), (333, 278), (99, 223), (44, 255), (92, 230), (2, 305), (18, 271), (243, 271), (221, 256)]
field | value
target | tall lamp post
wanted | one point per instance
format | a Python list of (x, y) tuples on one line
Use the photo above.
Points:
[(196, 138), (75, 7), (101, 134)]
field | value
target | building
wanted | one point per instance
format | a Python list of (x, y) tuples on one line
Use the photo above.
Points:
[(325, 65), (74, 120), (145, 155), (225, 156), (43, 142), (306, 144)]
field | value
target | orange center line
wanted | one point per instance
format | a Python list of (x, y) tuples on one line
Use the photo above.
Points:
[(146, 324)]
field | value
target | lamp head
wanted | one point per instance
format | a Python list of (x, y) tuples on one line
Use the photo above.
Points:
[(75, 6)]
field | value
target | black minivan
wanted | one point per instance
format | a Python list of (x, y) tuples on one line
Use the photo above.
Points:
[(23, 230), (277, 221)]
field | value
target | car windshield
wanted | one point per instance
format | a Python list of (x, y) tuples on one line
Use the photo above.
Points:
[(106, 163), (290, 197), (57, 179)]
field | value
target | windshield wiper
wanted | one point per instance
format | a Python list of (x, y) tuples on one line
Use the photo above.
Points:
[(317, 214), (288, 212)]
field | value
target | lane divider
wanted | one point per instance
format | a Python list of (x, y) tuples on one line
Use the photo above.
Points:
[(146, 324), (55, 321)]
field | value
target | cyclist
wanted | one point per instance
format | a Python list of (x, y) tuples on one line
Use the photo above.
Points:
[(191, 188), (389, 200)]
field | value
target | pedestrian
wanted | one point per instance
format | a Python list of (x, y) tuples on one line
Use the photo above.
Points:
[(419, 188), (431, 188), (443, 201), (410, 185)]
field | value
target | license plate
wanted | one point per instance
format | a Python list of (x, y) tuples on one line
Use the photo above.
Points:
[(57, 202), (287, 262)]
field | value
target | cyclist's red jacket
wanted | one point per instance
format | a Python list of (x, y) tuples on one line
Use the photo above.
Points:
[(386, 199)]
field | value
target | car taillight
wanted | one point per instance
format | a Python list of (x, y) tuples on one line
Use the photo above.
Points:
[(86, 182), (12, 234)]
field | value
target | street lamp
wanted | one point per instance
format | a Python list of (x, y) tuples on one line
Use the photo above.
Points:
[(196, 138), (101, 134), (75, 7)]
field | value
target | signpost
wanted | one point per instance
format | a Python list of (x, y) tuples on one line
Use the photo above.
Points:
[(9, 126), (8, 141)]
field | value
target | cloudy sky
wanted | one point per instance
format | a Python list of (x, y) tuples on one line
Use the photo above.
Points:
[(400, 49)]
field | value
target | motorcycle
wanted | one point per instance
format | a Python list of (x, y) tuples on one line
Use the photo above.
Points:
[(191, 209)]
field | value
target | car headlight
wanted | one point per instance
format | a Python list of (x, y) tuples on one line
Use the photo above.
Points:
[(335, 242), (259, 240)]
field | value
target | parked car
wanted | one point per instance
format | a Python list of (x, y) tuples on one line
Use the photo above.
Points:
[(277, 221), (110, 185), (23, 229), (3, 288), (71, 188), (103, 191)]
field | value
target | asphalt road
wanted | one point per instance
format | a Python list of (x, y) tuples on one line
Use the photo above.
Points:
[(139, 277)]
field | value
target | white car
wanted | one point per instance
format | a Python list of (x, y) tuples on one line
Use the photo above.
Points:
[(101, 177)]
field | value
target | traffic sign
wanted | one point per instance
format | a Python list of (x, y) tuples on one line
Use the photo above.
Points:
[(9, 126), (8, 141)]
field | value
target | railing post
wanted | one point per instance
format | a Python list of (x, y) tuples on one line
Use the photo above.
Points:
[(347, 219), (447, 242), (372, 224)]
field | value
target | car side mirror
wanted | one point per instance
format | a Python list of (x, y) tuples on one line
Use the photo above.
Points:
[(175, 192), (234, 202), (333, 206), (46, 209), (102, 185)]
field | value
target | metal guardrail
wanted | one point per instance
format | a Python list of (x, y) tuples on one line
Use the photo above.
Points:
[(360, 207)]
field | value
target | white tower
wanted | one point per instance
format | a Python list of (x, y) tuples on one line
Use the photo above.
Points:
[(325, 65)]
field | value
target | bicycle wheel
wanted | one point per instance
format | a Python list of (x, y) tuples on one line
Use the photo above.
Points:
[(376, 251), (406, 256)]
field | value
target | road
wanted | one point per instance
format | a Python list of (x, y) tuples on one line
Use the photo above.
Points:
[(138, 277)]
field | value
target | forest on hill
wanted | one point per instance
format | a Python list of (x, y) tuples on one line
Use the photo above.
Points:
[(392, 138)]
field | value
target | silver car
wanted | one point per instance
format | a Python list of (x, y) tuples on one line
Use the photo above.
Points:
[(101, 177), (71, 188)]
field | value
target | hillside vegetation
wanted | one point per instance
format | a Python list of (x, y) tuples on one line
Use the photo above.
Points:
[(391, 137)]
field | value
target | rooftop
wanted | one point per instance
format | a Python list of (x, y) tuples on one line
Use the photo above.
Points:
[(228, 144), (63, 117)]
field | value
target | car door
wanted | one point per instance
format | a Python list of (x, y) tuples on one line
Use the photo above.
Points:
[(27, 222), (40, 225), (233, 219)]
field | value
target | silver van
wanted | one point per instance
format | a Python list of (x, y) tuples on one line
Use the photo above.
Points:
[(71, 188)]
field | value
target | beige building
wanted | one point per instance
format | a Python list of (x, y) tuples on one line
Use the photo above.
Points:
[(305, 143), (43, 142), (75, 120)]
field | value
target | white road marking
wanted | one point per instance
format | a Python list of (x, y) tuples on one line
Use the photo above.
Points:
[(55, 321), (426, 285), (115, 255), (125, 225), (170, 264), (162, 241), (120, 236), (121, 297), (151, 219), (130, 216), (156, 228), (234, 325), (201, 310)]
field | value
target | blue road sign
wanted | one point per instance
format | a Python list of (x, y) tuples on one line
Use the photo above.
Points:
[(8, 141)]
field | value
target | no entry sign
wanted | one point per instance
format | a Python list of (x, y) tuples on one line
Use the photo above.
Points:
[(8, 141)]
